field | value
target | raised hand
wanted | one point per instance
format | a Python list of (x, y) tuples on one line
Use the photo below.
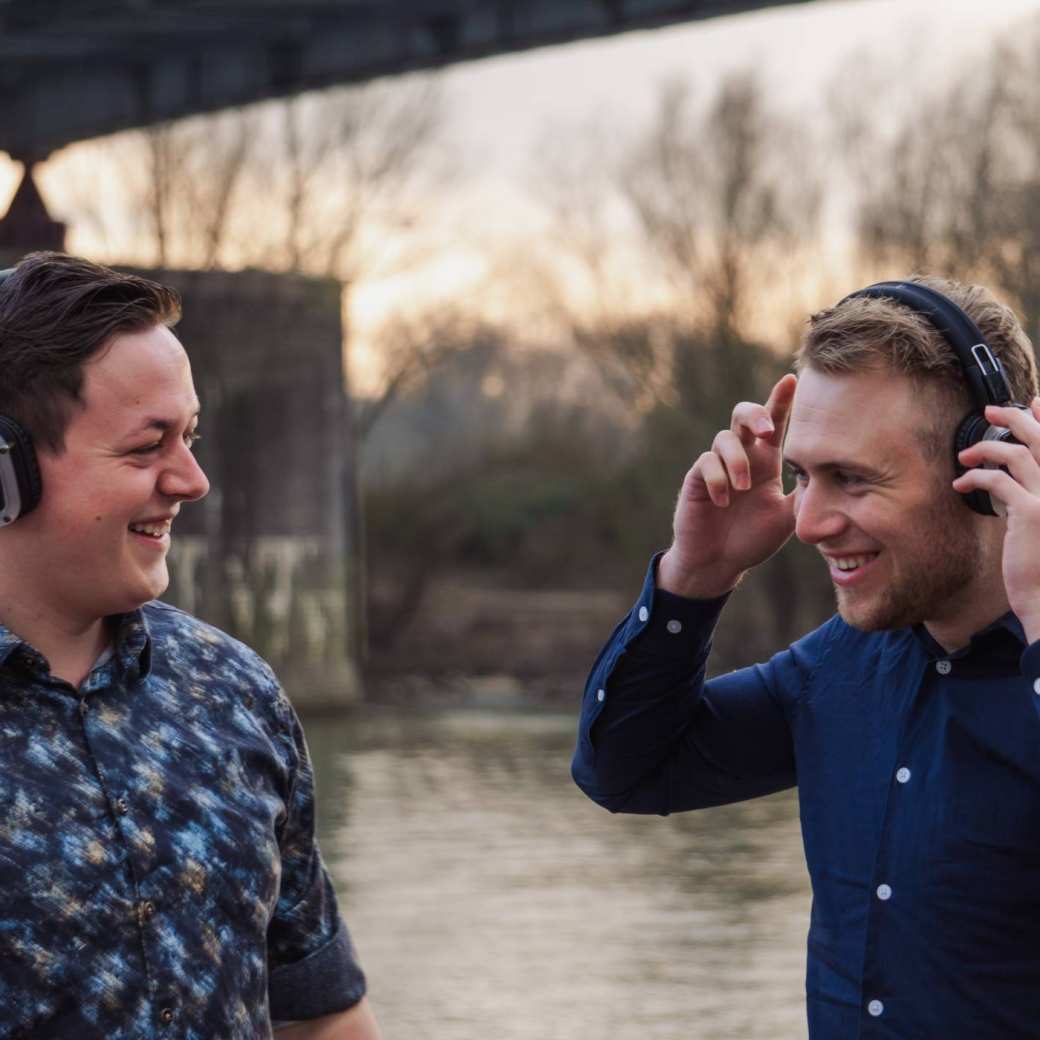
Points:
[(732, 512), (1017, 488)]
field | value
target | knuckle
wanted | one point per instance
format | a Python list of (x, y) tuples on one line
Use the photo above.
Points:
[(744, 413)]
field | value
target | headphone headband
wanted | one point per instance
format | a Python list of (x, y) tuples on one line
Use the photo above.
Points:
[(981, 368)]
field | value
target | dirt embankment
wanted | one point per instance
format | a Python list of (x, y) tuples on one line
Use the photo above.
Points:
[(469, 639)]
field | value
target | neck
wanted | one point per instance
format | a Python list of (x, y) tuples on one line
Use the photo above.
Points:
[(977, 606), (70, 645)]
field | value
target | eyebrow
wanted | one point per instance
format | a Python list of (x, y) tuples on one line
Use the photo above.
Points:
[(837, 464), (162, 425)]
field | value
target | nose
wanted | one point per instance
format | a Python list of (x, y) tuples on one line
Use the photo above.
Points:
[(183, 478), (817, 517)]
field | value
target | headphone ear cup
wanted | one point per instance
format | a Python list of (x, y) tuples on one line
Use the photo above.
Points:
[(971, 430), (23, 462)]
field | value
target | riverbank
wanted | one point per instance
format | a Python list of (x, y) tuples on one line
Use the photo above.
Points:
[(473, 642)]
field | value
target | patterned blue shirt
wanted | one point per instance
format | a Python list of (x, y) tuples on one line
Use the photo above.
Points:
[(918, 776), (159, 875)]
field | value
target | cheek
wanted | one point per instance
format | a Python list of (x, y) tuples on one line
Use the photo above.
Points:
[(880, 520), (909, 526), (90, 498)]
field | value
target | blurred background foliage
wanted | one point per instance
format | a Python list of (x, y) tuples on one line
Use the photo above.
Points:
[(534, 437)]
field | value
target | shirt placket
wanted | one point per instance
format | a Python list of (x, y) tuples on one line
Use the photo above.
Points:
[(896, 881), (144, 906)]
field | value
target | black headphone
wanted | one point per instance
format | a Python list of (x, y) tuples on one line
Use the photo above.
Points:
[(20, 484), (983, 371)]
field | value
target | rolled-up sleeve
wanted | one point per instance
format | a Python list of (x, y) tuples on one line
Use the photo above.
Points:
[(313, 969)]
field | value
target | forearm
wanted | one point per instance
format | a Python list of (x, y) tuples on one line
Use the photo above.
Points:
[(356, 1023), (640, 697)]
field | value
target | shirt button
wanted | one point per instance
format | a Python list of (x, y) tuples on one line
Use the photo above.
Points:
[(875, 1007), (643, 613), (675, 627), (83, 709), (884, 892), (943, 667), (1036, 686), (601, 695), (903, 775), (166, 1016), (148, 909), (122, 806)]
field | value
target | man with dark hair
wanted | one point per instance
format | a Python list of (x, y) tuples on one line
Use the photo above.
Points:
[(910, 721), (159, 874)]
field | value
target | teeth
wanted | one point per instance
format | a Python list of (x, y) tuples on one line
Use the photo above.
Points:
[(850, 563), (156, 530)]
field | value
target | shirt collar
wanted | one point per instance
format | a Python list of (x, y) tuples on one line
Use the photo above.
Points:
[(9, 642), (1006, 624), (132, 644)]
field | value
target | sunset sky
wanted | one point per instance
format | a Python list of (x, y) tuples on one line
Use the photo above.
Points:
[(500, 110)]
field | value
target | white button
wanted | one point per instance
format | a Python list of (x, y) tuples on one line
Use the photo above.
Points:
[(675, 627), (884, 892), (600, 694), (902, 775), (643, 613), (1036, 686), (875, 1007), (943, 667)]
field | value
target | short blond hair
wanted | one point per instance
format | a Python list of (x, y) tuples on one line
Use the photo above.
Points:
[(870, 334)]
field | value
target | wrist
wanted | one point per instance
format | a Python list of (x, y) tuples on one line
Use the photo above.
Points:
[(694, 582)]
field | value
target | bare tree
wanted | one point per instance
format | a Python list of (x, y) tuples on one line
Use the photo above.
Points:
[(180, 186), (336, 183), (347, 175), (680, 235), (413, 347), (716, 199), (221, 154), (956, 189)]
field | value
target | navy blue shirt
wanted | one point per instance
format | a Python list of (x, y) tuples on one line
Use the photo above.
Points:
[(159, 875), (918, 776)]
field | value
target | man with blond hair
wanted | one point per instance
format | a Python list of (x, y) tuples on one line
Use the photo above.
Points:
[(909, 721)]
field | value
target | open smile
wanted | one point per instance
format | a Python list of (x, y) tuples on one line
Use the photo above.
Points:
[(849, 569), (152, 532)]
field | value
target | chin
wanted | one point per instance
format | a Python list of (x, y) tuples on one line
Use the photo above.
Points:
[(862, 620), (142, 592), (876, 617)]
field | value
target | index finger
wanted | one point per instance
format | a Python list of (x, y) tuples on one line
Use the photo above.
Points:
[(779, 406), (1022, 422)]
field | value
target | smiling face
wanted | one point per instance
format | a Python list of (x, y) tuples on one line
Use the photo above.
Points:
[(97, 543), (901, 546)]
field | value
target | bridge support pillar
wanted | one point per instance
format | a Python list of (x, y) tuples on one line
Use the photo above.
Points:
[(27, 225)]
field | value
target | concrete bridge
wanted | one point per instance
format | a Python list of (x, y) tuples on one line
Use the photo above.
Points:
[(76, 69)]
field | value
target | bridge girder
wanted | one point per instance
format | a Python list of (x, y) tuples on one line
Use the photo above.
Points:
[(77, 69)]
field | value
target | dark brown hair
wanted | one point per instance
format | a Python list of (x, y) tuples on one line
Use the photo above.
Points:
[(56, 313)]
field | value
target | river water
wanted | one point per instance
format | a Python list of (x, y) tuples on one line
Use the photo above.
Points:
[(490, 900)]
